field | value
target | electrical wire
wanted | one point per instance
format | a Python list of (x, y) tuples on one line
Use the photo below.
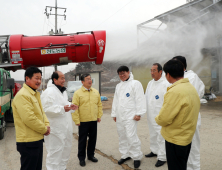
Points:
[(51, 23), (47, 26), (113, 14), (64, 24), (60, 22)]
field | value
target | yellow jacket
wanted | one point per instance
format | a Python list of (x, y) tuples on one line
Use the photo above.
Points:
[(29, 118), (179, 113), (90, 105)]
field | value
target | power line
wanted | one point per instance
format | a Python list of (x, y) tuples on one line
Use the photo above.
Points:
[(114, 13)]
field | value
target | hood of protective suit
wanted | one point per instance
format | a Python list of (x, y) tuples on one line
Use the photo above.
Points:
[(162, 78), (131, 77), (196, 82), (189, 74), (49, 84)]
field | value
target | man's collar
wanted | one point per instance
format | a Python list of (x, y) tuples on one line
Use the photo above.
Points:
[(157, 80), (127, 79), (85, 89), (62, 89), (31, 90), (183, 80)]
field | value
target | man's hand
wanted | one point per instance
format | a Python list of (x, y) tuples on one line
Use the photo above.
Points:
[(48, 131), (98, 120), (67, 108), (136, 118), (78, 124), (74, 107), (114, 118)]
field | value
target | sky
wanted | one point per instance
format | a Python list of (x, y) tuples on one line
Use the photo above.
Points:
[(118, 17)]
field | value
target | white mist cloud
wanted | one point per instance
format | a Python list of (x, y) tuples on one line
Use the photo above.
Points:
[(118, 18)]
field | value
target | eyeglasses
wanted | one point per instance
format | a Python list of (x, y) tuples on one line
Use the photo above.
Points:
[(153, 71), (121, 74), (89, 79)]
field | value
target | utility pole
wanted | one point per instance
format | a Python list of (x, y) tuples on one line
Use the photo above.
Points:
[(56, 14), (56, 31)]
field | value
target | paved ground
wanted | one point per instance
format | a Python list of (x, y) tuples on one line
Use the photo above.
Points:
[(107, 144)]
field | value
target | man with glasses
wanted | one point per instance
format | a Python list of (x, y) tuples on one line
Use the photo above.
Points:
[(155, 91), (86, 118), (128, 107)]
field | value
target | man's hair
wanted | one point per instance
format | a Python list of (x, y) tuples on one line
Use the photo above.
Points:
[(55, 75), (82, 78), (159, 67), (182, 60), (31, 71), (174, 68), (122, 68)]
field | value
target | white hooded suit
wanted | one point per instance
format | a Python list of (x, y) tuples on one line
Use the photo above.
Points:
[(154, 100), (59, 142), (129, 100), (194, 157)]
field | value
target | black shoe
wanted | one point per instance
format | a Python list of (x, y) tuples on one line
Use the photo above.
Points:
[(151, 154), (93, 159), (82, 163), (136, 164), (160, 163), (121, 161)]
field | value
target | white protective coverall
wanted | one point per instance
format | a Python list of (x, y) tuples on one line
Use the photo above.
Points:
[(129, 100), (154, 100), (59, 142), (194, 157)]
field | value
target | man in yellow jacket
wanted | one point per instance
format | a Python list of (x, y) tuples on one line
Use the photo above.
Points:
[(86, 117), (178, 116), (31, 123)]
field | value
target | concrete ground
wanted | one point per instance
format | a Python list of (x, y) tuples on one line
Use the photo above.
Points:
[(107, 144)]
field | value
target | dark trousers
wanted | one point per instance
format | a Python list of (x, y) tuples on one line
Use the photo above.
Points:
[(177, 156), (31, 155), (87, 129)]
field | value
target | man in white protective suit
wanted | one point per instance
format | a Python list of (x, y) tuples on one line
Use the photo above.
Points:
[(127, 108), (194, 157), (58, 111), (155, 91)]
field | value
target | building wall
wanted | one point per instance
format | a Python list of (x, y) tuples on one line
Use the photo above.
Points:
[(142, 74), (95, 78)]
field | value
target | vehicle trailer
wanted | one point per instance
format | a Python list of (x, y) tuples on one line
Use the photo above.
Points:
[(6, 96)]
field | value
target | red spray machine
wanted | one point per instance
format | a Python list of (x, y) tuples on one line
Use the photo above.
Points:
[(20, 52)]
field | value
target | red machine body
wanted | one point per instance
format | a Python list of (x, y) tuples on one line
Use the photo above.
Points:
[(16, 89), (42, 51)]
